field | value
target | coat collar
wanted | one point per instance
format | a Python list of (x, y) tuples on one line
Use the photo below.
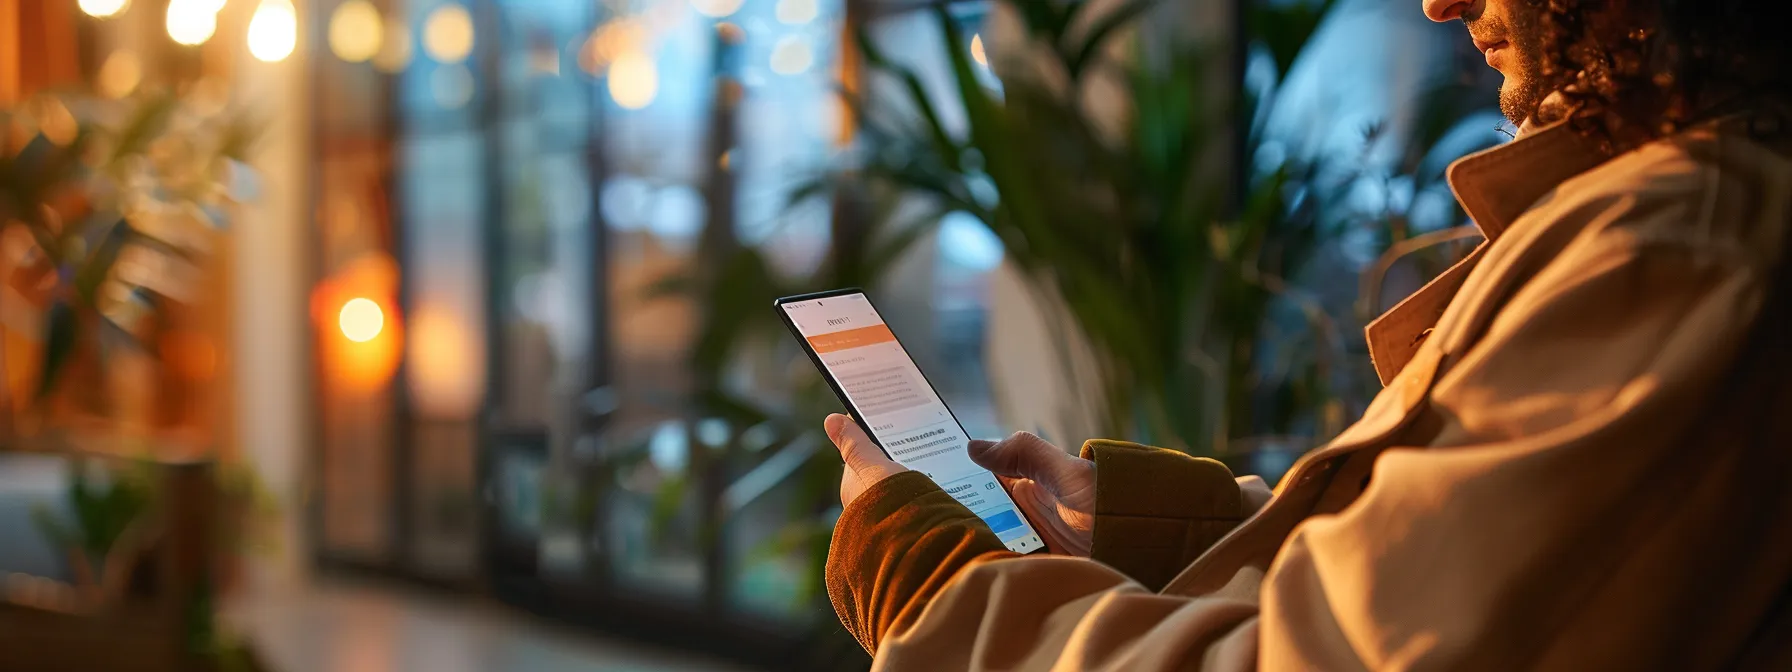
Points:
[(1494, 187), (1497, 185)]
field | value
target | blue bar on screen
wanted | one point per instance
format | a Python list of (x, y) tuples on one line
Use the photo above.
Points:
[(1004, 521)]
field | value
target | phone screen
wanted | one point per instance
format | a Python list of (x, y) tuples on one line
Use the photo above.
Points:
[(901, 410)]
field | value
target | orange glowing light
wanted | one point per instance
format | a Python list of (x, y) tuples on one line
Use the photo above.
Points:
[(361, 320), (361, 334)]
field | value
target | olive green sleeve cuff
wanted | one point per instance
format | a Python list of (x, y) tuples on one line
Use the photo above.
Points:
[(1157, 510)]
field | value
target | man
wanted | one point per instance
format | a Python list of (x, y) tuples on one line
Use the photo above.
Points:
[(1580, 459)]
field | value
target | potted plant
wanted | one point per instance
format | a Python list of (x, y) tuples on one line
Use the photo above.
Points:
[(109, 215)]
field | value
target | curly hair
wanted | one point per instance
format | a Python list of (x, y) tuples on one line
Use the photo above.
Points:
[(1630, 71)]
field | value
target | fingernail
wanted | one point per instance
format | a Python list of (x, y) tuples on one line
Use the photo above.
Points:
[(834, 424)]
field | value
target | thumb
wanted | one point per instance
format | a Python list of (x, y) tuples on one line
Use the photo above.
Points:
[(856, 448), (1022, 455)]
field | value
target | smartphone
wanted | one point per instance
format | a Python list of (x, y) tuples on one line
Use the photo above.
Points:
[(885, 392)]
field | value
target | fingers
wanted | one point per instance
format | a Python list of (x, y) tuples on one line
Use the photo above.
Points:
[(1021, 455), (856, 448), (1043, 511)]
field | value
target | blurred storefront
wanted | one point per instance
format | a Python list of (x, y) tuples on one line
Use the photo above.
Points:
[(505, 398), (480, 318), (451, 342)]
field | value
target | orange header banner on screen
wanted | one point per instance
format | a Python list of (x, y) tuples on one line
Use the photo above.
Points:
[(851, 338)]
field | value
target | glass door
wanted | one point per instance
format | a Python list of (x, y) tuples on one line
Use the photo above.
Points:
[(544, 250)]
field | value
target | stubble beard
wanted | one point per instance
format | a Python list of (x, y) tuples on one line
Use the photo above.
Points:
[(1519, 98), (1522, 92)]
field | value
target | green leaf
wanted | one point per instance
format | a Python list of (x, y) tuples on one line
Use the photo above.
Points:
[(1101, 30), (944, 145), (238, 137), (98, 513), (873, 55), (57, 533), (98, 266), (734, 304), (738, 411), (676, 283), (668, 499), (887, 252), (1285, 28), (61, 333), (145, 124), (1042, 17), (32, 177), (1004, 162), (946, 148), (807, 189)]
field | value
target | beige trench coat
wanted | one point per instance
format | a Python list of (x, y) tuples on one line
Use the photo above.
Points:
[(1580, 461)]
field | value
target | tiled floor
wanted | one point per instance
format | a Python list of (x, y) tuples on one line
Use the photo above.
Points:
[(343, 626)]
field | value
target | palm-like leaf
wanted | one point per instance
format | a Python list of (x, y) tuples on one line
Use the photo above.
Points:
[(1127, 235), (84, 244)]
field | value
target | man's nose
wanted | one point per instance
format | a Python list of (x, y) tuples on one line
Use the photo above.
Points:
[(1447, 10)]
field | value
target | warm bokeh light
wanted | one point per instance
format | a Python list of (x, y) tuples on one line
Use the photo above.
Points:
[(209, 96), (448, 34), (792, 55), (102, 9), (355, 31), (361, 320), (796, 12), (977, 53), (446, 375), (395, 50), (120, 73), (191, 22), (273, 31), (609, 42), (354, 301), (634, 81), (451, 86), (55, 121), (716, 8)]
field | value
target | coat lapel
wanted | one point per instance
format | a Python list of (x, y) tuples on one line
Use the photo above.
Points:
[(1494, 187)]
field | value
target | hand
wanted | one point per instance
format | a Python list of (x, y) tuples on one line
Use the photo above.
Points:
[(865, 462), (1055, 489)]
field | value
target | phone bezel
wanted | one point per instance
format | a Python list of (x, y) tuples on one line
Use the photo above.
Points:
[(852, 410)]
